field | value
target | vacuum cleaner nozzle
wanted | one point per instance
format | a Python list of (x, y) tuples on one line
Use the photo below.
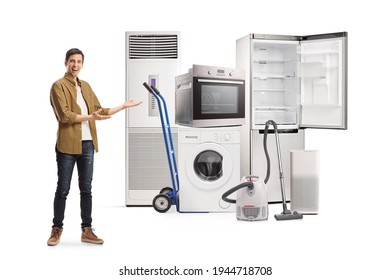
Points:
[(287, 215)]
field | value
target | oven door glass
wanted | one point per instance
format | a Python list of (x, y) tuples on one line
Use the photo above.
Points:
[(218, 99)]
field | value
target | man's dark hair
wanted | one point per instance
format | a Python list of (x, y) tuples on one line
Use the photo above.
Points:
[(72, 52)]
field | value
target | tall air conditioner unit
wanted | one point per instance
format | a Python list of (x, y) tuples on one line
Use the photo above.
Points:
[(152, 57)]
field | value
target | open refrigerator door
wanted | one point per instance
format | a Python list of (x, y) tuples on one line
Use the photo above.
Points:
[(323, 75)]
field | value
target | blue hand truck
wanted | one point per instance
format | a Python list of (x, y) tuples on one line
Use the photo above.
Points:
[(167, 196)]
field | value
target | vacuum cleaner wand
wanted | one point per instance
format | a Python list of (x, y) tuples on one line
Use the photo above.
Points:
[(286, 214)]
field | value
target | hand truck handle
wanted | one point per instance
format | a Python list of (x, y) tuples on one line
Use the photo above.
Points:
[(156, 91), (148, 87)]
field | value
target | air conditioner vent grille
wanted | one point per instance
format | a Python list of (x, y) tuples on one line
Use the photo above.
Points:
[(153, 47)]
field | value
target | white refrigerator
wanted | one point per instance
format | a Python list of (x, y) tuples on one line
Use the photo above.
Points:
[(299, 82)]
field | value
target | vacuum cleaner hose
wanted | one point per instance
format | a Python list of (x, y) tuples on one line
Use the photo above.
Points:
[(286, 214), (236, 188), (266, 148)]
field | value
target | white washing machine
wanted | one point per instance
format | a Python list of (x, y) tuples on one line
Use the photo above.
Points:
[(208, 166)]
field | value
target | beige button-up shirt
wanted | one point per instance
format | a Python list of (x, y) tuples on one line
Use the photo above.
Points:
[(63, 99)]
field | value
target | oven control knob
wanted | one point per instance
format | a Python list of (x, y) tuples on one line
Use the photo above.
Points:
[(209, 72), (230, 74)]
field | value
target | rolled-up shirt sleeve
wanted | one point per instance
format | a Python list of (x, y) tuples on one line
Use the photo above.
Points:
[(60, 105)]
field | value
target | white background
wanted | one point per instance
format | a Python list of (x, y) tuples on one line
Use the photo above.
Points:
[(349, 239)]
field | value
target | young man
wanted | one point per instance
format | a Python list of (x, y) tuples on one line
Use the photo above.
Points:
[(76, 108)]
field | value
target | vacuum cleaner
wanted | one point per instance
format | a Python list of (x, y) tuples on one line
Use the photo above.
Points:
[(252, 198)]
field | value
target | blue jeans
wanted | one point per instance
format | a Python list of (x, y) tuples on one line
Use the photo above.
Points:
[(65, 166)]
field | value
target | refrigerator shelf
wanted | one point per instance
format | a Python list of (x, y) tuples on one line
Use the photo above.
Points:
[(282, 115), (320, 105), (312, 69), (317, 52), (271, 61), (271, 76), (264, 90), (273, 108), (332, 47)]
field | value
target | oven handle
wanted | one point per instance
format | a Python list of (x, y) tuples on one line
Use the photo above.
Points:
[(220, 81)]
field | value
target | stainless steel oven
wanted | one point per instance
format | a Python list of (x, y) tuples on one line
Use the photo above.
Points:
[(209, 96)]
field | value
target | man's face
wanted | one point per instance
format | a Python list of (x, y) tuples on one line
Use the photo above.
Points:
[(74, 64)]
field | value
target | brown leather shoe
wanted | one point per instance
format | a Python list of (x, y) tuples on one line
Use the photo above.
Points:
[(88, 236), (55, 236)]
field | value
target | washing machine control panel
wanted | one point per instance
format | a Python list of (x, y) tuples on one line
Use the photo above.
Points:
[(221, 137), (216, 135), (227, 137), (230, 137)]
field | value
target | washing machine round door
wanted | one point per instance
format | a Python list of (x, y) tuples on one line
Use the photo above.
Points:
[(209, 166)]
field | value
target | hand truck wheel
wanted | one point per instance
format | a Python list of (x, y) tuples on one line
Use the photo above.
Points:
[(166, 190), (162, 203)]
